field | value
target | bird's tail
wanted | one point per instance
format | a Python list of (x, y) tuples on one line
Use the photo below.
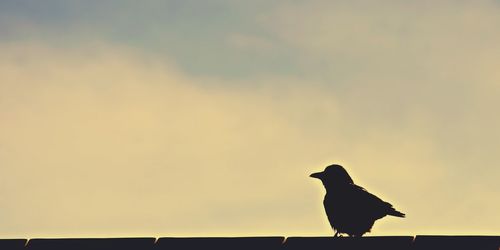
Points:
[(396, 213)]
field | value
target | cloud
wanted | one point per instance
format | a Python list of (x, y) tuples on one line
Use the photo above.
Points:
[(103, 141), (100, 139), (243, 41), (391, 64)]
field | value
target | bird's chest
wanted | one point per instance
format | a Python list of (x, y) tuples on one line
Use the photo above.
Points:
[(339, 208), (338, 203)]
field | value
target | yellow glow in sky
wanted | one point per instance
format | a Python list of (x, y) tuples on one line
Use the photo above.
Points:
[(98, 138)]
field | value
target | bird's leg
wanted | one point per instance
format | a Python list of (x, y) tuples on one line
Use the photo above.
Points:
[(337, 234)]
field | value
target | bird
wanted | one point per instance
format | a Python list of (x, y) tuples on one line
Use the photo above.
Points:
[(350, 208)]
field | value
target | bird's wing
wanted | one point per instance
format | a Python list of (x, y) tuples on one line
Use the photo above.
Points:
[(376, 206)]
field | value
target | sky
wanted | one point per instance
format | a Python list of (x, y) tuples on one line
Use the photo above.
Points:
[(205, 118)]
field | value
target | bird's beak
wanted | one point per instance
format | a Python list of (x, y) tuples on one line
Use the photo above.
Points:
[(317, 175)]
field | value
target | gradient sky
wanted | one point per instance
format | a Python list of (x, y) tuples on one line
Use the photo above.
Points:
[(205, 118)]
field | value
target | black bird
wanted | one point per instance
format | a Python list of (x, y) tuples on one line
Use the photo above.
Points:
[(350, 208)]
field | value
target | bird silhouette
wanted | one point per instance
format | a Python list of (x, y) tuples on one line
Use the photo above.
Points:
[(350, 208)]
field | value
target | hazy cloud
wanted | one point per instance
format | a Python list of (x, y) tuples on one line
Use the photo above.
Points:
[(105, 138)]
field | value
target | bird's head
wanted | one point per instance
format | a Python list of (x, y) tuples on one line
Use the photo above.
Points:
[(333, 175)]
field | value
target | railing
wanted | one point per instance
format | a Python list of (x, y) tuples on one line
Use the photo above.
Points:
[(260, 243)]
